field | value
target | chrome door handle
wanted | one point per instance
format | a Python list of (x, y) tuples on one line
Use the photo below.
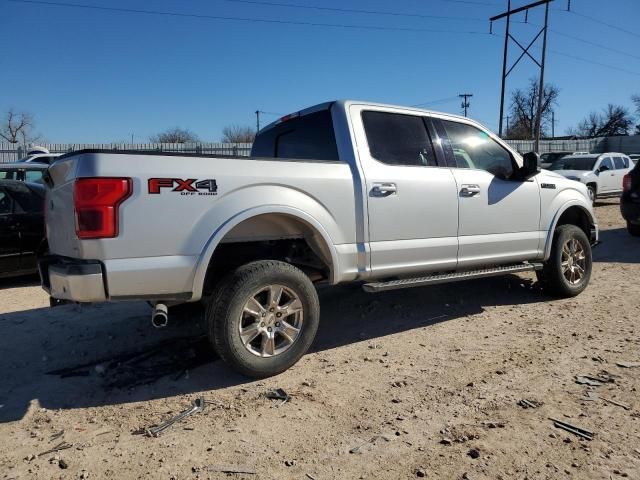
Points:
[(384, 189), (469, 190)]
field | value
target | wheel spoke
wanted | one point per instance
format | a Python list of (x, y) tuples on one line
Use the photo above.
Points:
[(250, 333), (268, 345), (565, 266), (275, 295), (253, 307), (293, 307), (289, 332), (580, 270)]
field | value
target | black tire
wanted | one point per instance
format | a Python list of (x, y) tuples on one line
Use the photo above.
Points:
[(551, 277), (592, 194), (225, 316), (633, 229)]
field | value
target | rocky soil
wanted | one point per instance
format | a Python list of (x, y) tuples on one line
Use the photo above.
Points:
[(407, 384)]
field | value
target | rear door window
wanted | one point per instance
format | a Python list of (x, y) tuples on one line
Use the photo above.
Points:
[(308, 137), (397, 139), (29, 200), (6, 205), (619, 163)]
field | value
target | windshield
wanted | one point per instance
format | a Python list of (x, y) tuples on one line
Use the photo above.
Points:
[(574, 163)]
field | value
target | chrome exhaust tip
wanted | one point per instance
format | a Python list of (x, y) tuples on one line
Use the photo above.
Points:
[(160, 315)]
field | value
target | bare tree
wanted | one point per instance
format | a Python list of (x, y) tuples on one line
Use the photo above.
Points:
[(613, 120), (636, 101), (18, 127), (524, 109), (175, 135), (238, 134)]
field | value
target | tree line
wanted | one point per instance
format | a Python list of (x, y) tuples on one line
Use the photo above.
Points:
[(610, 120)]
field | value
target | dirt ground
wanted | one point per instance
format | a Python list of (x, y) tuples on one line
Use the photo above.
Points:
[(407, 384)]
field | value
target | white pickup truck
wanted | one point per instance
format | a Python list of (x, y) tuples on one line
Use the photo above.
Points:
[(344, 191)]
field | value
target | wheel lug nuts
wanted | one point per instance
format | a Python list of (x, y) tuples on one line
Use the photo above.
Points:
[(262, 324), (277, 324), (278, 314), (264, 314), (272, 309), (269, 329)]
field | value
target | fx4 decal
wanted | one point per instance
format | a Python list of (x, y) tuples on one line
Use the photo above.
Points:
[(190, 186)]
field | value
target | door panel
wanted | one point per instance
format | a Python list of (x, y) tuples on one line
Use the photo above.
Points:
[(31, 235), (499, 219), (607, 179), (500, 223), (412, 203), (9, 237)]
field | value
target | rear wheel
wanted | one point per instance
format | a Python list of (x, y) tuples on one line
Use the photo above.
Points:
[(568, 270), (633, 229), (263, 317)]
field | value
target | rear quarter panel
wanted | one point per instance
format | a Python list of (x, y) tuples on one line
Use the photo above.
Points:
[(171, 233)]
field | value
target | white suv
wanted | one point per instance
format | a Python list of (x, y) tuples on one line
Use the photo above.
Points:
[(602, 173)]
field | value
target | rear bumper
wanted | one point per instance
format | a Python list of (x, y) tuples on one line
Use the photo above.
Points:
[(630, 210), (73, 280)]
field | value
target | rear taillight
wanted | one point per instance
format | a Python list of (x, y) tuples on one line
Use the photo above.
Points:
[(626, 183), (96, 202)]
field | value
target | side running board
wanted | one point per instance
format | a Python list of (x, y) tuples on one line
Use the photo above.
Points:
[(450, 277)]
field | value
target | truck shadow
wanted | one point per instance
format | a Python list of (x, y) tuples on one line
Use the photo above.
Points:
[(618, 246), (74, 357)]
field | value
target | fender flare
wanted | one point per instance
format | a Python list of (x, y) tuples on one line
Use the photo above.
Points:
[(224, 228), (556, 218)]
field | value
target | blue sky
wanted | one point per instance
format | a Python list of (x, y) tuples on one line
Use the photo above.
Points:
[(101, 76)]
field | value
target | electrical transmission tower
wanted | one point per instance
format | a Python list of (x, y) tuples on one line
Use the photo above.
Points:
[(525, 51), (465, 101)]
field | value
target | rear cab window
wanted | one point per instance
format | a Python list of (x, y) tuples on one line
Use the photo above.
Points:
[(619, 163), (306, 137)]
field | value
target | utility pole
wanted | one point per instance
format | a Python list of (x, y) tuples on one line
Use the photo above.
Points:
[(257, 121), (525, 51), (465, 102)]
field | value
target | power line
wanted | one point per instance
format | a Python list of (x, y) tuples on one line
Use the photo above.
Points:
[(586, 60), (242, 19), (597, 20), (587, 42), (354, 10), (287, 22), (436, 102)]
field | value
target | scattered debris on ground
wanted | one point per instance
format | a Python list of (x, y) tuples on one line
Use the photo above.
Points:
[(524, 403), (579, 431), (197, 406), (57, 448), (231, 469)]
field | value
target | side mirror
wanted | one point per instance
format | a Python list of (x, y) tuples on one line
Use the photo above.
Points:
[(530, 166)]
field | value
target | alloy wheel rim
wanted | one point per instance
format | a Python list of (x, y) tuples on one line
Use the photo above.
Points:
[(574, 261), (271, 320)]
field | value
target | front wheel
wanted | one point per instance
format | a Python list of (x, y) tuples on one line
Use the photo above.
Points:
[(568, 270), (263, 317)]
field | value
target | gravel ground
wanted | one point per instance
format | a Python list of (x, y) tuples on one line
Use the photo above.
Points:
[(406, 384)]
